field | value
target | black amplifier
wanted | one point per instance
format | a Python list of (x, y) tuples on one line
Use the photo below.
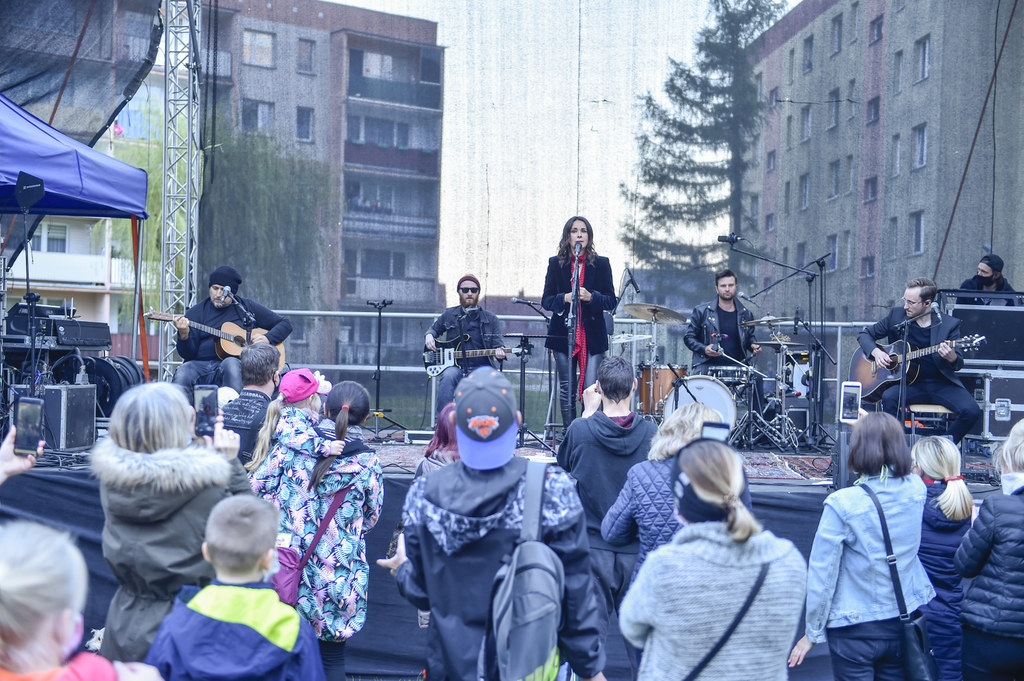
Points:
[(81, 334)]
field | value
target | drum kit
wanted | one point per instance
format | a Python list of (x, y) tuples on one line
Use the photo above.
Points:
[(665, 388)]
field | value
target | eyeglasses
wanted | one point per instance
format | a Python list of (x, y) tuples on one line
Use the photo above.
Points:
[(910, 302), (466, 289)]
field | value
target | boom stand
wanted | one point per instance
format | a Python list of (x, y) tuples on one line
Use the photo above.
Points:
[(29, 191), (379, 413), (525, 346)]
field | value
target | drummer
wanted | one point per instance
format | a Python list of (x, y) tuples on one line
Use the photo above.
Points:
[(717, 338)]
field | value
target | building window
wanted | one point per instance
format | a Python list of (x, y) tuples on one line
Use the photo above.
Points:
[(789, 132), (402, 135), (833, 173), (837, 33), (851, 90), (805, 191), (917, 232), (874, 110), (755, 207), (258, 48), (773, 97), (871, 189), (304, 59), (801, 254), (808, 60), (854, 21), (769, 222), (397, 265), (56, 238), (376, 263), (756, 147), (867, 267), (770, 160), (256, 115), (832, 245), (430, 65), (805, 123), (875, 30), (304, 124), (920, 145), (897, 71), (847, 250), (354, 129), (894, 236), (833, 108), (379, 66), (380, 131), (897, 153), (849, 173), (792, 58), (785, 198), (922, 48)]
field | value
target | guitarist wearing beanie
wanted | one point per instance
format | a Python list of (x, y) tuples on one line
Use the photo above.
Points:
[(209, 358)]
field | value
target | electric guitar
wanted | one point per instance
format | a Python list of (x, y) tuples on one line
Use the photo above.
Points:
[(448, 354), (875, 379), (231, 335)]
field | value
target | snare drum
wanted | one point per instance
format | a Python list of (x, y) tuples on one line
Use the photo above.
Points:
[(655, 386), (732, 376), (707, 391)]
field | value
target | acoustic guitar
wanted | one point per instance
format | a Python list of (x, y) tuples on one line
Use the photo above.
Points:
[(875, 379), (449, 353), (231, 336)]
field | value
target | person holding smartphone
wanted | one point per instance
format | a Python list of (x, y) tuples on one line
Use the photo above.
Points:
[(12, 464)]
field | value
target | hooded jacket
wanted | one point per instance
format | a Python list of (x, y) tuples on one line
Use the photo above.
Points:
[(228, 632), (156, 507), (974, 284), (460, 524), (598, 453), (82, 667)]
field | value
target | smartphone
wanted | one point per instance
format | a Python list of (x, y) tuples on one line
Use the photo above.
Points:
[(205, 401), (715, 431), (849, 403), (28, 419)]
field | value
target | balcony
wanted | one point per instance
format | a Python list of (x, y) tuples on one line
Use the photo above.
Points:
[(414, 94), (408, 292), (62, 269), (392, 158), (388, 226)]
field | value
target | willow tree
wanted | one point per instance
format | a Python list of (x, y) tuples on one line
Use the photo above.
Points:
[(694, 142)]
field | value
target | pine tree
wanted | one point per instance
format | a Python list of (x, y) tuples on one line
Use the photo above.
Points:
[(692, 149)]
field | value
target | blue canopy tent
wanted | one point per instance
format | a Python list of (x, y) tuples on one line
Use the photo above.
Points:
[(78, 180)]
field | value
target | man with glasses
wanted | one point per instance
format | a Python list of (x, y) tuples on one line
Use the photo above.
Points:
[(466, 326), (936, 382)]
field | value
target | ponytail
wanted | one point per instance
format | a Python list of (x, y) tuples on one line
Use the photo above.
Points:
[(939, 460), (266, 436)]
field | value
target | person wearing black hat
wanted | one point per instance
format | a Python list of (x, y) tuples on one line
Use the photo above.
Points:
[(201, 362), (989, 278), (465, 326)]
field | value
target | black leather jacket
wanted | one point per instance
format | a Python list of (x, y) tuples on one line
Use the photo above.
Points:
[(704, 322), (448, 326)]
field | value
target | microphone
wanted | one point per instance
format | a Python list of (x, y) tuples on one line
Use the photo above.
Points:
[(731, 239), (747, 298), (935, 311), (523, 301), (632, 281), (228, 294), (577, 248)]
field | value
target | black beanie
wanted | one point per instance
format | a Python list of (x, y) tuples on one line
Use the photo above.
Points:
[(226, 275)]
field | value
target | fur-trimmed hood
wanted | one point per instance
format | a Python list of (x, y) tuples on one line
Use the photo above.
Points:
[(151, 486)]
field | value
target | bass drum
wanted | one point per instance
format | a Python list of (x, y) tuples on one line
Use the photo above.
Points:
[(707, 391)]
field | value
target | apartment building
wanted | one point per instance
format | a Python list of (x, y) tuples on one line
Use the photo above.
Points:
[(871, 108)]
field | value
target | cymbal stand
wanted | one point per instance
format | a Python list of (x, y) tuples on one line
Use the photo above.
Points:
[(652, 356), (525, 348), (743, 433), (782, 424)]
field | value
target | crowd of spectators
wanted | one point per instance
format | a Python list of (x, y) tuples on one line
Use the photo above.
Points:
[(655, 526)]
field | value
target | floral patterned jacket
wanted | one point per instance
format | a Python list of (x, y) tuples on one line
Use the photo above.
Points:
[(333, 590)]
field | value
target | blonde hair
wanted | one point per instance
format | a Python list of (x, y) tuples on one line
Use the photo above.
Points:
[(265, 439), (42, 573), (939, 459), (151, 417), (1011, 454), (715, 471), (680, 428)]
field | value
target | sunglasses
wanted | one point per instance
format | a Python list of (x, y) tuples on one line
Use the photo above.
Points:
[(466, 289)]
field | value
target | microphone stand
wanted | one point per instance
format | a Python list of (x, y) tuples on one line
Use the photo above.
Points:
[(904, 349), (248, 318), (573, 321), (379, 413)]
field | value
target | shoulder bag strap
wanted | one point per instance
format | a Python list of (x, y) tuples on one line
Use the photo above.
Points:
[(339, 497), (890, 556), (533, 496), (695, 672)]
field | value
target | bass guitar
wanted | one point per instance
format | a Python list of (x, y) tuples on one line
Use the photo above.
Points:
[(231, 336), (875, 379), (449, 353)]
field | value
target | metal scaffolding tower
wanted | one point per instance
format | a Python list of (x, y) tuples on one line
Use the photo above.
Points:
[(182, 168)]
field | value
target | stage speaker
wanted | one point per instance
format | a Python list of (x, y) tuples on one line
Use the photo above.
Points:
[(69, 415)]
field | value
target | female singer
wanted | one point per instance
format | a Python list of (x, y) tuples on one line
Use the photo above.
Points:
[(596, 294)]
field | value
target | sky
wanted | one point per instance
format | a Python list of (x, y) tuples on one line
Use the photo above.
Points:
[(540, 121)]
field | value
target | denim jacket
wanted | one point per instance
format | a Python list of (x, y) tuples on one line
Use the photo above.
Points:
[(848, 579)]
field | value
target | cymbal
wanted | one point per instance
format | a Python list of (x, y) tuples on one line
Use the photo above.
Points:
[(767, 319), (654, 313), (776, 345), (628, 338)]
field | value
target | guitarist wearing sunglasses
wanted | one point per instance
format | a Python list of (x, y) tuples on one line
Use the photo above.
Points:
[(209, 359), (468, 328), (936, 381)]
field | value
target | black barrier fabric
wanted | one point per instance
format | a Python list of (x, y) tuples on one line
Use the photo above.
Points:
[(391, 644)]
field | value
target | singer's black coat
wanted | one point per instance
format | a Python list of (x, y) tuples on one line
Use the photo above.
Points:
[(946, 328), (597, 278)]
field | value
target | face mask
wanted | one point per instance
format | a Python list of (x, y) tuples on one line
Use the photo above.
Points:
[(273, 569), (1011, 482), (986, 281)]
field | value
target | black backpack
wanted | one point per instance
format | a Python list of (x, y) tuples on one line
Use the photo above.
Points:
[(521, 642)]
